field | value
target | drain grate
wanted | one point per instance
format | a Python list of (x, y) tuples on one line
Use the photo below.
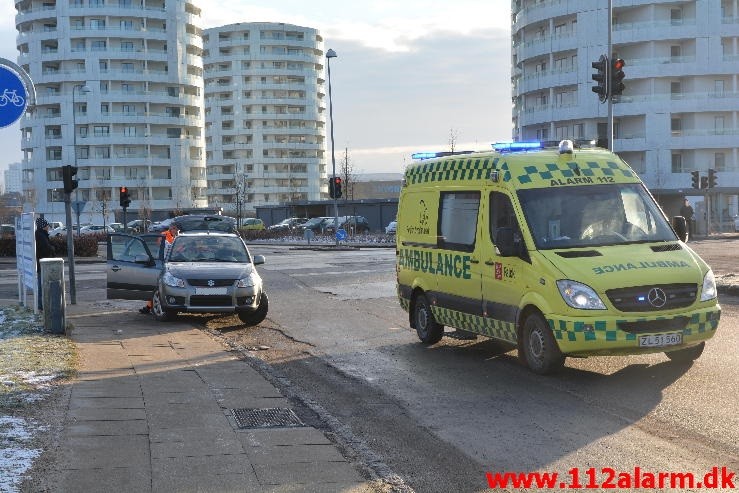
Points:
[(271, 417)]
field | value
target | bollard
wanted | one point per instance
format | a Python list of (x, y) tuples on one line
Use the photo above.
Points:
[(52, 292)]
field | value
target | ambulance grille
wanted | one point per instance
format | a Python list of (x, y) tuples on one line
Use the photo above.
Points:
[(667, 248), (652, 326), (636, 299)]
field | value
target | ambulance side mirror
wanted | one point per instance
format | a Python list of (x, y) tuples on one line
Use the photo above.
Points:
[(680, 225), (506, 242)]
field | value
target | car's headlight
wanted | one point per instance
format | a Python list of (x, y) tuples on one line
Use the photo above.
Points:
[(709, 286), (249, 281), (578, 295), (172, 281)]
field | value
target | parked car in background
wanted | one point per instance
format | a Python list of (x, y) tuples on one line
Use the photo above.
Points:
[(7, 229), (138, 225), (117, 227), (63, 230), (391, 227), (160, 226), (736, 224), (316, 224), (95, 229), (253, 223), (56, 224), (350, 224), (287, 225)]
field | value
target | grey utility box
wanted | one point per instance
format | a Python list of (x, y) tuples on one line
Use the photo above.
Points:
[(52, 291)]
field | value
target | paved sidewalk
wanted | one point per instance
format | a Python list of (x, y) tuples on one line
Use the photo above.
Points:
[(152, 410)]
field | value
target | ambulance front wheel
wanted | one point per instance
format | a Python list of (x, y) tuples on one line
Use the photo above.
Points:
[(540, 350), (427, 328), (688, 354)]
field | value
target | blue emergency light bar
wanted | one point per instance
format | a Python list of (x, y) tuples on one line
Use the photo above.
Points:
[(516, 146), (423, 155)]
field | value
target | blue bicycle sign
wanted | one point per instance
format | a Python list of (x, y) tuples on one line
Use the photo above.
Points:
[(13, 96), (9, 96)]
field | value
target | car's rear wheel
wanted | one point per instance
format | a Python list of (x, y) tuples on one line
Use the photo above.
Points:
[(256, 317), (428, 329), (160, 313)]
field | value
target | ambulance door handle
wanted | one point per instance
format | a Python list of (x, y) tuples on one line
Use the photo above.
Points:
[(473, 260), (490, 262)]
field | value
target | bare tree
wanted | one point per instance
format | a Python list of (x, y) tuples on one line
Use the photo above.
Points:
[(144, 199), (347, 176), (453, 138)]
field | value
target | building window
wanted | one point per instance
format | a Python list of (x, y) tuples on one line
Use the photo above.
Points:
[(101, 130), (677, 163), (719, 161), (676, 126), (126, 46), (98, 45)]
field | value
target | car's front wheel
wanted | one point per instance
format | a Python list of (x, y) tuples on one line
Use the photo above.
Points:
[(160, 313), (540, 349), (256, 317)]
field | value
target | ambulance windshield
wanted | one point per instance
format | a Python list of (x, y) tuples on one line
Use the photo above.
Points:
[(595, 215)]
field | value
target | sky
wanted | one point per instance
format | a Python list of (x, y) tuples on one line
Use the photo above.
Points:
[(409, 76)]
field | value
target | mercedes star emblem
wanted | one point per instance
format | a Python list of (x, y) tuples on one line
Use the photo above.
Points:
[(657, 298)]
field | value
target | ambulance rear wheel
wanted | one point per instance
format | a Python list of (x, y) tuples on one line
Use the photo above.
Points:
[(428, 330), (686, 355), (540, 350)]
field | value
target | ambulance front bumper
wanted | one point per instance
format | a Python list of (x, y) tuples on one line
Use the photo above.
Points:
[(607, 335)]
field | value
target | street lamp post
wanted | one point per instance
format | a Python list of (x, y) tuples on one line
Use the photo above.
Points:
[(68, 199), (329, 55)]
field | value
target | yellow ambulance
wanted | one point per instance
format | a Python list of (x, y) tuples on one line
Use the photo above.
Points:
[(559, 251)]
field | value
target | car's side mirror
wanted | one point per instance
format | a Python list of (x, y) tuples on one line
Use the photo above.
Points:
[(680, 225), (258, 259)]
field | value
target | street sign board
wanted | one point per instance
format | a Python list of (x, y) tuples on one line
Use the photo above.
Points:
[(13, 96), (341, 234)]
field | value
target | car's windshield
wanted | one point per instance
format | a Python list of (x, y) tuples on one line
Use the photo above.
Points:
[(205, 248), (596, 215)]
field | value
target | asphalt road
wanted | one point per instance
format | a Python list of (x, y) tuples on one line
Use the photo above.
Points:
[(441, 417)]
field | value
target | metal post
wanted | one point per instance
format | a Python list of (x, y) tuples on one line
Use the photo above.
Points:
[(609, 50), (329, 55), (70, 248)]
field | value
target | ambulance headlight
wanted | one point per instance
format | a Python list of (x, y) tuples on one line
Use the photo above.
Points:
[(709, 287), (578, 295)]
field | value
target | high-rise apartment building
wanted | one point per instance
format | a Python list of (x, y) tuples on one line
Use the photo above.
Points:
[(680, 109), (12, 178), (119, 87), (265, 122)]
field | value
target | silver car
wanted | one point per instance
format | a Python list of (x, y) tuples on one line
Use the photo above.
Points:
[(203, 272)]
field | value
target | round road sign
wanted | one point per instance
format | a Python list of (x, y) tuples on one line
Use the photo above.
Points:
[(13, 96)]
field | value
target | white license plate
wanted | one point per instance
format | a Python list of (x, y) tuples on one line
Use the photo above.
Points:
[(211, 290), (661, 340)]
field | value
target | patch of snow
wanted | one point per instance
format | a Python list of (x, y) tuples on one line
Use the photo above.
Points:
[(15, 457)]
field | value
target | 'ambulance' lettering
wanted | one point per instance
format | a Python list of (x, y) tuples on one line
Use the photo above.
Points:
[(442, 264), (660, 264)]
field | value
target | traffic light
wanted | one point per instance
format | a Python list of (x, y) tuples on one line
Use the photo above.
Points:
[(712, 178), (704, 182), (68, 173), (601, 77), (334, 187), (125, 197), (617, 76), (695, 179)]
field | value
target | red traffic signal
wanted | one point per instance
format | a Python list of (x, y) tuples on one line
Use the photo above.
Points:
[(125, 197), (617, 76), (334, 187)]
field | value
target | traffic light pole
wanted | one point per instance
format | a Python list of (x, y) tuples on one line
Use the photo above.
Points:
[(70, 248), (329, 55), (609, 50)]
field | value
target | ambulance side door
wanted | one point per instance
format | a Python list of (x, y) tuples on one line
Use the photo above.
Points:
[(503, 273)]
